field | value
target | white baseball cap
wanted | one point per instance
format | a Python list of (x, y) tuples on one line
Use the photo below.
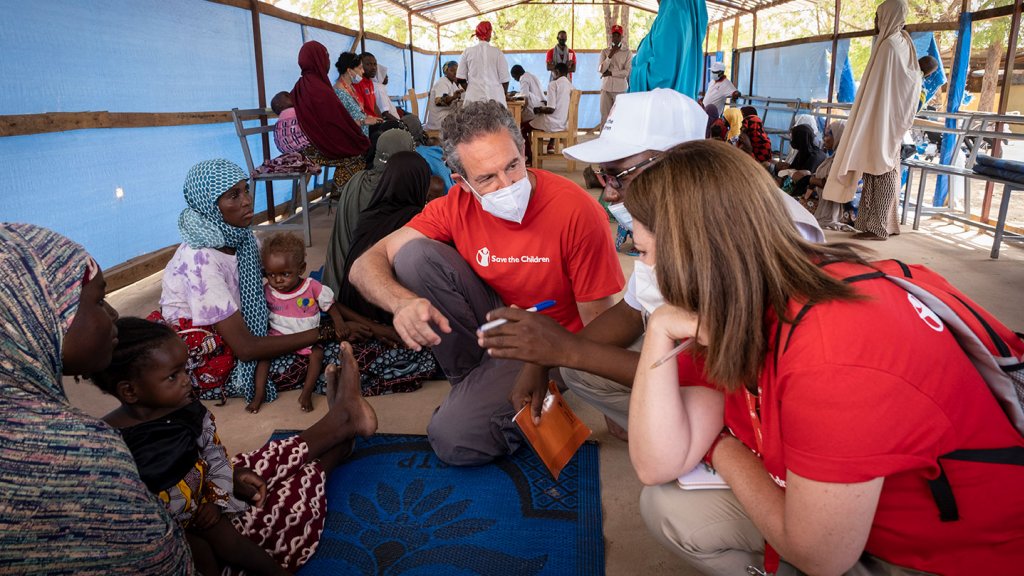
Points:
[(717, 67), (638, 121)]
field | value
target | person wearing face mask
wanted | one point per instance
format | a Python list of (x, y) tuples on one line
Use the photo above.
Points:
[(561, 54), (614, 66), (502, 236), (720, 89), (599, 362)]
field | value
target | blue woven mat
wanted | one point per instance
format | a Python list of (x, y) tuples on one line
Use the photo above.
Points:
[(394, 508)]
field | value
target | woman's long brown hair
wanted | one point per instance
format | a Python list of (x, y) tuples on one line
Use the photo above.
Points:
[(727, 250)]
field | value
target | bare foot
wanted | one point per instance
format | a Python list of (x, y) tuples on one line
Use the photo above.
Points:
[(345, 395), (306, 403), (254, 406), (616, 430)]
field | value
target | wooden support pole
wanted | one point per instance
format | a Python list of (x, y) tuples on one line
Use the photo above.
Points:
[(438, 59), (362, 28), (1004, 101), (753, 52), (704, 63), (735, 44), (412, 58), (719, 48), (261, 90), (572, 18), (835, 55)]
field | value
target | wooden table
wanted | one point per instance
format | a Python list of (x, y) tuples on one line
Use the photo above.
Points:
[(516, 108)]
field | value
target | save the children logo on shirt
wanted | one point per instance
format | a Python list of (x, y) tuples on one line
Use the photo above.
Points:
[(485, 258), (931, 319)]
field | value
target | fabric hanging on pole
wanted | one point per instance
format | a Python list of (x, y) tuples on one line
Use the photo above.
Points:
[(671, 55), (957, 87), (847, 84)]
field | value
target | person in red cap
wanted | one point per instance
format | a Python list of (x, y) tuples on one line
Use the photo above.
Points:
[(484, 69), (615, 64), (561, 54)]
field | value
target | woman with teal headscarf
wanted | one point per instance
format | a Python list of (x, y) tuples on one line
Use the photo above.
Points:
[(671, 55), (71, 500), (212, 292)]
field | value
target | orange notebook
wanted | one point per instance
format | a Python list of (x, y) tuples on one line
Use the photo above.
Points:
[(559, 434)]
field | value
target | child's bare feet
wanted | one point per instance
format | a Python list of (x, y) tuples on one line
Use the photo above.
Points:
[(344, 395), (306, 402), (254, 406)]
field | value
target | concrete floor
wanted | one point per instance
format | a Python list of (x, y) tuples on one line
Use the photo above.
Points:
[(958, 253)]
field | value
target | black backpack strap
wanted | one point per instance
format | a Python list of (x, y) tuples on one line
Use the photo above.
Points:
[(942, 493)]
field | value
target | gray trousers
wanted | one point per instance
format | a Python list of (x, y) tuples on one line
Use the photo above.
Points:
[(607, 100), (608, 396), (473, 425)]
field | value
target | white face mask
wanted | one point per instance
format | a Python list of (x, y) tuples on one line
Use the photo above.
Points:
[(508, 203), (647, 292), (621, 215), (357, 79)]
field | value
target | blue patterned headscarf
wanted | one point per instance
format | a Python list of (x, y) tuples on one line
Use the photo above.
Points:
[(202, 226)]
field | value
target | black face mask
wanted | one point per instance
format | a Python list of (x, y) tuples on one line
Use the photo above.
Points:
[(561, 42)]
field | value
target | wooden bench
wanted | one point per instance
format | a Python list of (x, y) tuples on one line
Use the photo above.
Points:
[(413, 102)]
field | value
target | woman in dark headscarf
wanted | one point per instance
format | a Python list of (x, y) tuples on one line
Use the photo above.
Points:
[(808, 154), (336, 138), (400, 195), (713, 115), (71, 500)]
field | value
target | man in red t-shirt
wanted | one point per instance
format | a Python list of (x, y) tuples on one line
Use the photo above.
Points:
[(561, 54), (364, 88), (503, 235)]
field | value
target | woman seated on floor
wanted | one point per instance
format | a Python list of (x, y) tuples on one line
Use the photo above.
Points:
[(73, 501), (212, 292), (830, 215), (374, 201), (335, 138), (807, 155), (753, 130), (834, 424)]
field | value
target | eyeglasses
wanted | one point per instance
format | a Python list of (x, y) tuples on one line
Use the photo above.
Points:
[(615, 180)]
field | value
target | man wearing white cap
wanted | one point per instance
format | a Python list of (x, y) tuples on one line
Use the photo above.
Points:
[(720, 88), (599, 362)]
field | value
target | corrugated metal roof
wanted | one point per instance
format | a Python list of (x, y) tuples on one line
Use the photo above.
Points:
[(448, 11)]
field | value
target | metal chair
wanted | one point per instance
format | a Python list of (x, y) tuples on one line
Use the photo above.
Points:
[(299, 180)]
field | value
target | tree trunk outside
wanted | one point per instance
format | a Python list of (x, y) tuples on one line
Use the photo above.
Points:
[(618, 14), (990, 81)]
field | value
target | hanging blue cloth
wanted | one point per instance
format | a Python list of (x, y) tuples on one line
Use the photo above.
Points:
[(957, 86), (671, 55), (847, 84)]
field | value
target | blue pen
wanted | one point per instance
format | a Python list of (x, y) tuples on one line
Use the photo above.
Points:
[(535, 308)]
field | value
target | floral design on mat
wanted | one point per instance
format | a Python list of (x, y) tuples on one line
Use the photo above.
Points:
[(402, 532)]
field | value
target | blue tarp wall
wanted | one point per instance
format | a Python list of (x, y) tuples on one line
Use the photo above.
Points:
[(138, 56), (797, 72)]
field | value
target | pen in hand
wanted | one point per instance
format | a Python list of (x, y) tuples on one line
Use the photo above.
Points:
[(673, 353), (501, 321)]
